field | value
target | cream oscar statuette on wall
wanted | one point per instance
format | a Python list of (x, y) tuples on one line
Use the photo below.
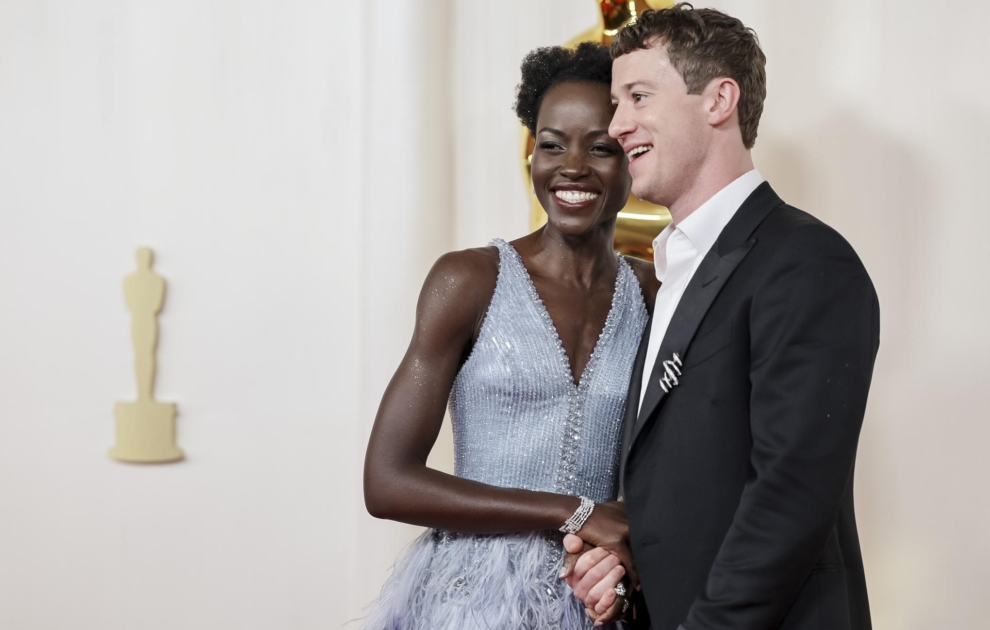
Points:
[(145, 427)]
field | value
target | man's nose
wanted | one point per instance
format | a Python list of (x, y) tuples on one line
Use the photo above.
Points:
[(621, 124)]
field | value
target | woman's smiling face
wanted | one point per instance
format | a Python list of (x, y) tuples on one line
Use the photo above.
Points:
[(580, 174)]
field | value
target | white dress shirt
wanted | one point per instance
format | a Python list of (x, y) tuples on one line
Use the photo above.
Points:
[(678, 251)]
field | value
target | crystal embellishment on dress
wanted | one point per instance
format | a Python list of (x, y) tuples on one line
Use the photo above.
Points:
[(520, 420)]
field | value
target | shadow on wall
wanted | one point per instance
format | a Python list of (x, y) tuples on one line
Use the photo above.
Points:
[(878, 191), (873, 191), (871, 187)]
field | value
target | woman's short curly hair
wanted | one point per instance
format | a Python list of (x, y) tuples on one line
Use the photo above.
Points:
[(544, 68)]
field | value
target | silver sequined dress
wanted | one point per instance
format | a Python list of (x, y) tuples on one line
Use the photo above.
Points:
[(520, 421)]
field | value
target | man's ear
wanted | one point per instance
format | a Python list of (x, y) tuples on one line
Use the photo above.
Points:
[(722, 98)]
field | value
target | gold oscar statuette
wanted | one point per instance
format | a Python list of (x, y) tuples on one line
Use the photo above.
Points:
[(145, 427), (639, 221)]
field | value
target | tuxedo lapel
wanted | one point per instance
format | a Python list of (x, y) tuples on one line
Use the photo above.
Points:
[(704, 287), (632, 398), (708, 281)]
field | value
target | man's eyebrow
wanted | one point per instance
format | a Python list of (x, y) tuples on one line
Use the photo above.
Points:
[(629, 86)]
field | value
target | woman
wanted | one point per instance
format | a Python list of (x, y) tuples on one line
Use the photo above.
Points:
[(503, 332)]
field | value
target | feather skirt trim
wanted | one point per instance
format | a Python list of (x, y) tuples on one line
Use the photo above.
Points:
[(447, 581)]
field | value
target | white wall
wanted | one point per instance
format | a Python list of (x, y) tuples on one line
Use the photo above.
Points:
[(297, 167), (215, 134)]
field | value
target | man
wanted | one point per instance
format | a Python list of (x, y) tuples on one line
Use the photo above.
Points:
[(750, 385)]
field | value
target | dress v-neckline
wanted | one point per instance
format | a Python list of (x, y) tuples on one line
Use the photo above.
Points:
[(551, 327)]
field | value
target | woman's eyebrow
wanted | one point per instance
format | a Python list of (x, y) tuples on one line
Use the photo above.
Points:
[(558, 132)]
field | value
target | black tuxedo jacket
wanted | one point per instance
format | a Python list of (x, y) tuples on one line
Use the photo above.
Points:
[(739, 481)]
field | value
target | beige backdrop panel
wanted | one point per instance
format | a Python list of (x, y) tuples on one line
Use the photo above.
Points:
[(298, 167), (875, 122)]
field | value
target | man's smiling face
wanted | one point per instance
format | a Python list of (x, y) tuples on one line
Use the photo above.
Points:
[(663, 129)]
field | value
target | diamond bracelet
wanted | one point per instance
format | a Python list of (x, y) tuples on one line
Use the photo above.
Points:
[(577, 520)]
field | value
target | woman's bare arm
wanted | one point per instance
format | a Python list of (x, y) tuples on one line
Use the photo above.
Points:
[(397, 483)]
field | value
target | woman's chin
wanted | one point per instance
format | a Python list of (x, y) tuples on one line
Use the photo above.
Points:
[(571, 226), (576, 228)]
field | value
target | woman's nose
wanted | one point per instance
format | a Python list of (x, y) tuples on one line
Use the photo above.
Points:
[(575, 165)]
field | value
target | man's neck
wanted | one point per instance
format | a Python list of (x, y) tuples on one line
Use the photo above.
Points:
[(709, 181)]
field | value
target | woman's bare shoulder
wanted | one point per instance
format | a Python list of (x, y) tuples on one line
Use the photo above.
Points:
[(464, 269), (459, 287), (647, 275)]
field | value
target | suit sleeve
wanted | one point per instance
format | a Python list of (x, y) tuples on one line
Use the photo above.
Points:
[(814, 326)]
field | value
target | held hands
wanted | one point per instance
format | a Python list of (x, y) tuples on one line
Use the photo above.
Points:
[(598, 559), (608, 528), (592, 573)]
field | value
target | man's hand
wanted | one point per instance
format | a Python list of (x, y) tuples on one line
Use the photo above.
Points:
[(592, 573), (614, 613), (608, 528)]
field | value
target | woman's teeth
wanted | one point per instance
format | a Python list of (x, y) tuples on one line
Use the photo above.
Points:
[(574, 196), (638, 150)]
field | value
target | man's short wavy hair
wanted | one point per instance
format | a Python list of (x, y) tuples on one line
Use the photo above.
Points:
[(705, 44)]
